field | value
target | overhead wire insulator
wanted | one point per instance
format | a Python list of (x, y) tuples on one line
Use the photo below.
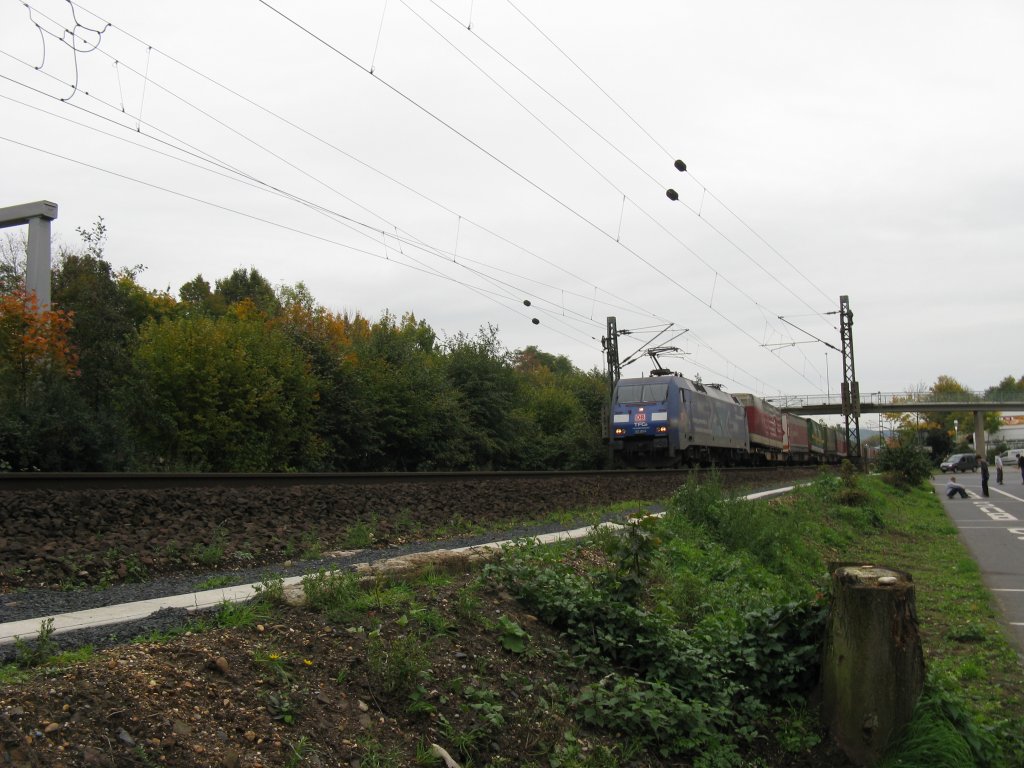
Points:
[(672, 194), (680, 166)]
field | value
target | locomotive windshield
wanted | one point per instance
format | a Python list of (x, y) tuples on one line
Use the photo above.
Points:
[(642, 393)]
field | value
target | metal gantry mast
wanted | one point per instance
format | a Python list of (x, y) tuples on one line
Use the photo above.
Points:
[(851, 388), (611, 348)]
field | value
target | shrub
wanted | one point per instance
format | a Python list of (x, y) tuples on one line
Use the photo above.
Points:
[(904, 464)]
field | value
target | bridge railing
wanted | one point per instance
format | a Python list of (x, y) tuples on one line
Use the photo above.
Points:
[(901, 398)]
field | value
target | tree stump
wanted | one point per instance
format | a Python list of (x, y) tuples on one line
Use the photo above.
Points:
[(873, 666)]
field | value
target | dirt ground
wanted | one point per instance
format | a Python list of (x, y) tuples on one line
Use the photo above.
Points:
[(293, 689), (441, 665)]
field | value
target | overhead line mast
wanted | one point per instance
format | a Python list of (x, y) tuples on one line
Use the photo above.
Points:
[(851, 387)]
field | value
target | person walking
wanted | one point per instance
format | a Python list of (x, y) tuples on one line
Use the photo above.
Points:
[(953, 488), (983, 465), (1020, 464), (999, 469)]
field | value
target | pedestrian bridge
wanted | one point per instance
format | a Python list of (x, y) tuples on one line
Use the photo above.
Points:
[(901, 402), (897, 402)]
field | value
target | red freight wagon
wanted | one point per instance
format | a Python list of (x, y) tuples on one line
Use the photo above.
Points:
[(764, 424), (795, 438)]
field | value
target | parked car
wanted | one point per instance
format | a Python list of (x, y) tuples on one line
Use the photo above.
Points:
[(1010, 457), (960, 462)]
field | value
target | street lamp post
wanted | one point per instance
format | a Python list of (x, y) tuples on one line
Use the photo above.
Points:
[(956, 432)]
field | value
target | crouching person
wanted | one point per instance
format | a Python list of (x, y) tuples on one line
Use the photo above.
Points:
[(953, 488)]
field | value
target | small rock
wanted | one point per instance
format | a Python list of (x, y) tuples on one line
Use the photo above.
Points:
[(125, 737), (51, 727), (93, 757), (363, 706), (365, 721), (231, 759), (222, 665), (181, 728), (250, 736)]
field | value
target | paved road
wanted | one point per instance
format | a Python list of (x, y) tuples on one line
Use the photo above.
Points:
[(993, 530)]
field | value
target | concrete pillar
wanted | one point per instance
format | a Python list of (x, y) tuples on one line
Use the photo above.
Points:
[(38, 217), (37, 272)]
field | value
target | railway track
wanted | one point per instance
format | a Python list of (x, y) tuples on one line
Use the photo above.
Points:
[(60, 481), (99, 530)]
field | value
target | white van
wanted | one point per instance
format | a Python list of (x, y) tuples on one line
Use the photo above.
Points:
[(1010, 457)]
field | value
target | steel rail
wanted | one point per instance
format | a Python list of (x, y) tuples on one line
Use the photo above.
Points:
[(62, 481)]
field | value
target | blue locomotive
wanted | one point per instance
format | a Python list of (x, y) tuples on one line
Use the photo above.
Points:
[(667, 420)]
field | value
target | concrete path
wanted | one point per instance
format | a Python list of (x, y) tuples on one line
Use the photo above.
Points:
[(28, 629), (993, 530)]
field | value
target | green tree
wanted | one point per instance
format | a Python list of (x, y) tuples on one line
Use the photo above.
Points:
[(87, 417), (345, 424), (1009, 388), (225, 394), (563, 408), (416, 411), (247, 284), (480, 370), (197, 298)]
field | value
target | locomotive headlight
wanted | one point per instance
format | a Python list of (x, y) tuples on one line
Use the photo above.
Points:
[(619, 431), (661, 430)]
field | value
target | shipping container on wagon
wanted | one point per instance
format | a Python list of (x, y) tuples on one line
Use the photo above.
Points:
[(816, 434), (842, 449), (830, 441), (764, 423), (795, 440)]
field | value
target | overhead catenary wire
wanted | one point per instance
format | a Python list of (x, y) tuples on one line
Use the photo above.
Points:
[(513, 292), (419, 267), (377, 171), (256, 183), (654, 141), (767, 314), (515, 172), (595, 287), (407, 98)]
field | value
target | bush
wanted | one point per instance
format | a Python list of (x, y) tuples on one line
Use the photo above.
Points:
[(904, 465)]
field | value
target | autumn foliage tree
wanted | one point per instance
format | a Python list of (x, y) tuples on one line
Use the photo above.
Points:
[(33, 339), (35, 355)]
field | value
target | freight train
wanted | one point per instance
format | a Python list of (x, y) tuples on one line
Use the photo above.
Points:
[(667, 420)]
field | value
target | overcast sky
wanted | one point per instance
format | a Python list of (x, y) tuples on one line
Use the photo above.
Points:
[(392, 159)]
